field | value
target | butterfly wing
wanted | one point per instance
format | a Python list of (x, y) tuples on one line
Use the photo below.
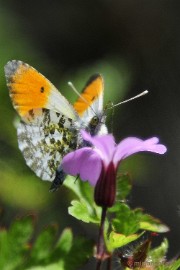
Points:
[(44, 144), (29, 90), (46, 134), (90, 106), (91, 100)]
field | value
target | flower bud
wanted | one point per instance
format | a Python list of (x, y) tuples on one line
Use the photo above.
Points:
[(105, 189)]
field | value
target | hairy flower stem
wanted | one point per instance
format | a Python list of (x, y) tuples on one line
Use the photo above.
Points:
[(109, 265), (101, 244)]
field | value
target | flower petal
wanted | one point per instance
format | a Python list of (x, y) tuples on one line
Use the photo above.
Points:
[(84, 162), (105, 144), (132, 145)]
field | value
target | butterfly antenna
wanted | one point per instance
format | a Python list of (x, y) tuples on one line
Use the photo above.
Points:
[(112, 119), (76, 91), (127, 100), (79, 95)]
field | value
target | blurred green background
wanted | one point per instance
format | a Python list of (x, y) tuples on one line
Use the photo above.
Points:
[(135, 46)]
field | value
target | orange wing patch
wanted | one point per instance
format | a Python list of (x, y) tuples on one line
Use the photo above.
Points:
[(28, 88), (93, 89)]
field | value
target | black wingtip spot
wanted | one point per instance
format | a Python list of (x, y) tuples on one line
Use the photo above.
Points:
[(92, 78)]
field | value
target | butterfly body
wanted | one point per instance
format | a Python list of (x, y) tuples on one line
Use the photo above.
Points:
[(50, 126)]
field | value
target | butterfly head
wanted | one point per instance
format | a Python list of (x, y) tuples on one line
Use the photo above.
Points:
[(97, 125)]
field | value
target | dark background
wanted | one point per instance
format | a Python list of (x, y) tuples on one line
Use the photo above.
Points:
[(136, 46)]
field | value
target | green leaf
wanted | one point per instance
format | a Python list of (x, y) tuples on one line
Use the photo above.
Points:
[(80, 211), (123, 186), (81, 251), (78, 254), (14, 243), (157, 258), (69, 253), (150, 223), (62, 247), (4, 249), (45, 253), (117, 240), (82, 189), (160, 252), (126, 221), (85, 208), (21, 230), (53, 266), (43, 245), (175, 265), (160, 228), (65, 241)]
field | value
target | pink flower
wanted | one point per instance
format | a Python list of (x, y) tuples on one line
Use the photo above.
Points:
[(99, 164)]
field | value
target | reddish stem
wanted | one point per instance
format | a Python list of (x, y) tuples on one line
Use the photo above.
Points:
[(101, 244), (109, 266)]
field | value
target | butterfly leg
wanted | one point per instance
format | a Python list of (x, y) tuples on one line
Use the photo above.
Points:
[(58, 180)]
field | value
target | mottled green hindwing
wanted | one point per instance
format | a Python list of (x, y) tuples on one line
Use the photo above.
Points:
[(46, 141)]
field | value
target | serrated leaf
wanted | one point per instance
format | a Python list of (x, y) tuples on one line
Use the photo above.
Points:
[(125, 221), (14, 243), (117, 240), (128, 221), (43, 245), (160, 252), (85, 195), (80, 211)]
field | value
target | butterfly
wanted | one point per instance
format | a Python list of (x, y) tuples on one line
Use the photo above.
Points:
[(50, 126)]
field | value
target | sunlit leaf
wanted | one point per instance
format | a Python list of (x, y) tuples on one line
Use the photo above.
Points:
[(82, 189), (160, 228), (85, 208), (117, 240), (150, 223), (80, 211)]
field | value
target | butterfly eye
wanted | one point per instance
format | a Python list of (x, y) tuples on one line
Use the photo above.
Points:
[(94, 121)]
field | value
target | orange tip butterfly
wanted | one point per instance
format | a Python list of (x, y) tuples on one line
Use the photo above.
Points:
[(50, 126)]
